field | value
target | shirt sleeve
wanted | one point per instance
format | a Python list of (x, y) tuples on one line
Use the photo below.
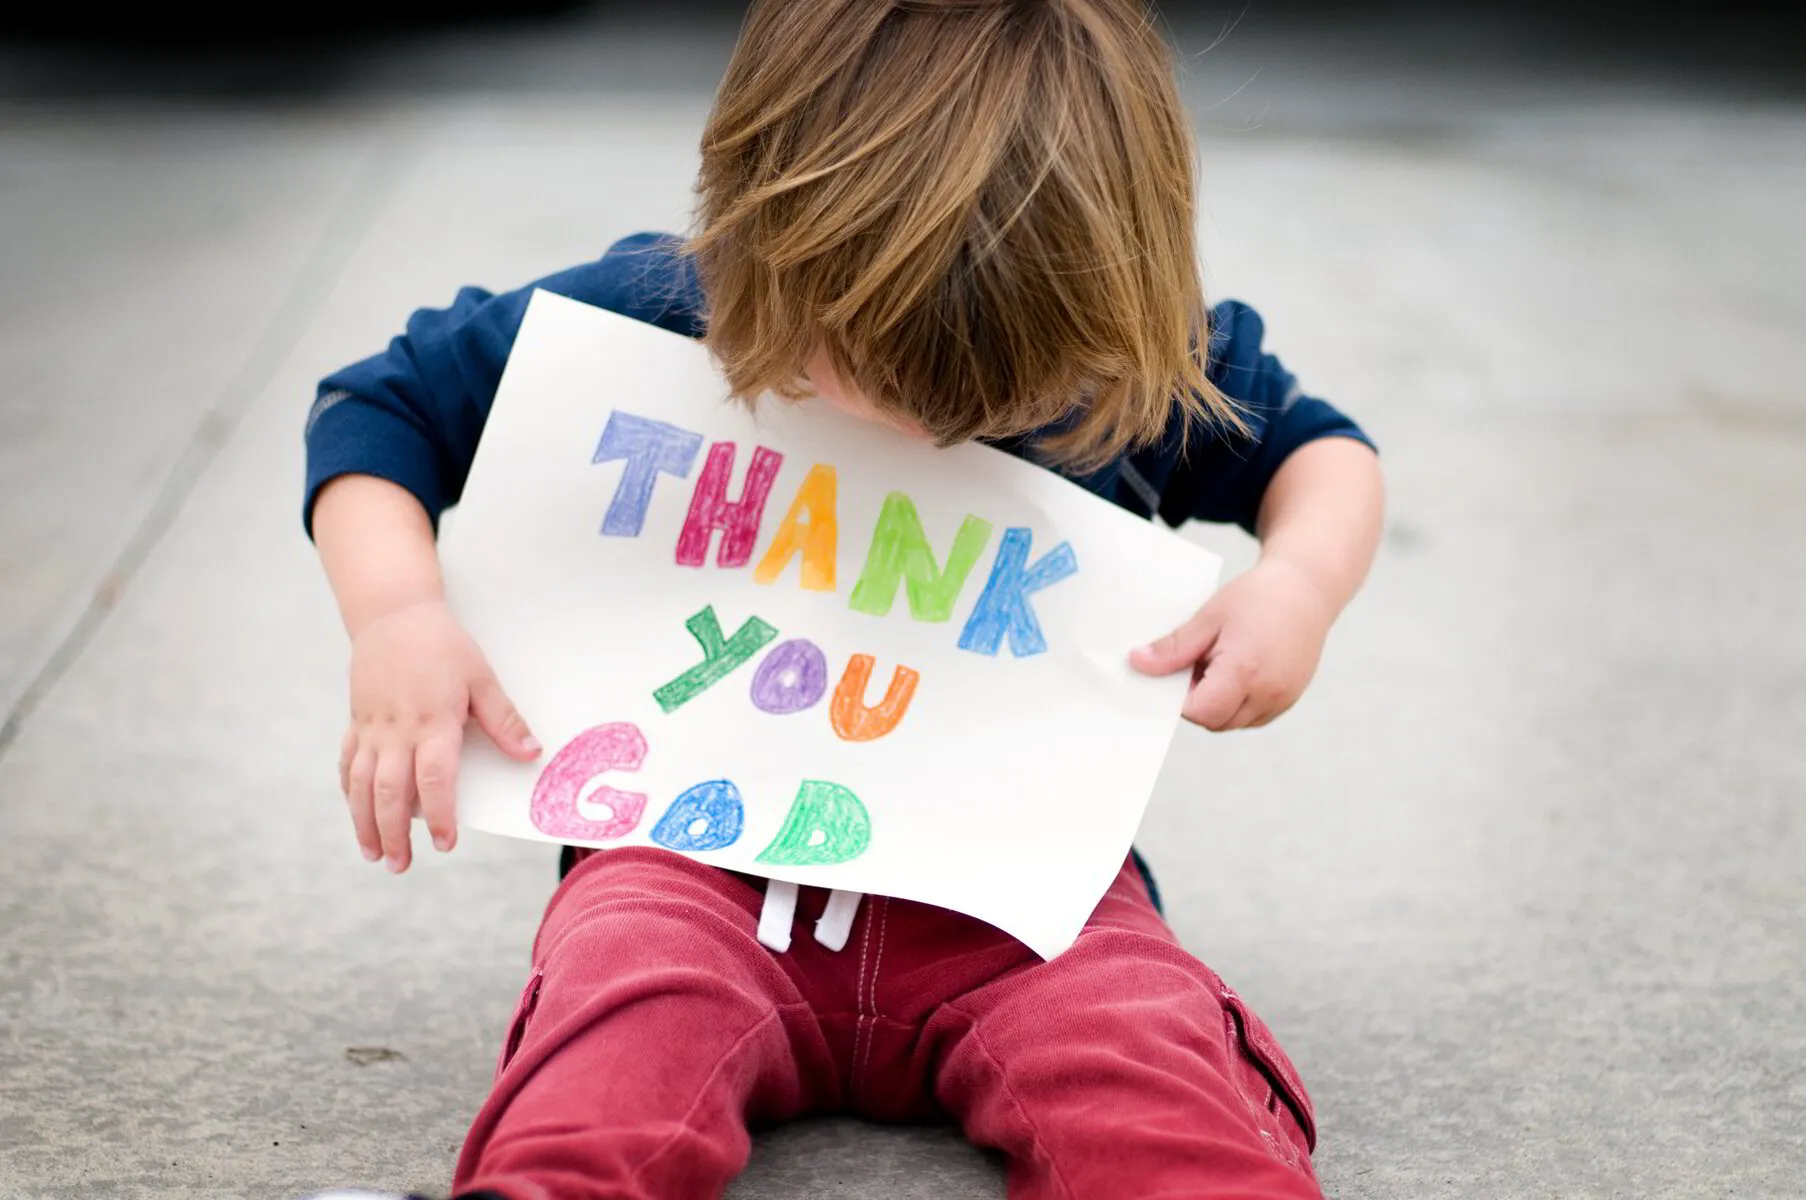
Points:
[(414, 413), (1223, 474)]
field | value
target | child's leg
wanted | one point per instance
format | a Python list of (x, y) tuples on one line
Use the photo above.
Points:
[(1124, 1067), (653, 1028)]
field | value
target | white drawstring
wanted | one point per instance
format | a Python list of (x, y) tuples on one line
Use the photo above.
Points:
[(778, 914), (836, 923)]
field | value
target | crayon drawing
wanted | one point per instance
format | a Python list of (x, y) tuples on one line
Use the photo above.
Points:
[(797, 645)]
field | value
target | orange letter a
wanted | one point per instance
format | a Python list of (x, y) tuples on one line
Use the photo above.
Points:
[(817, 538)]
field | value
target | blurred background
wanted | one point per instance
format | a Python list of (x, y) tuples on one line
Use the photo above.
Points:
[(1521, 885)]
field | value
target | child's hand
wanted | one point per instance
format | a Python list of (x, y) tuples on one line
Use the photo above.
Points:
[(416, 676), (1251, 649)]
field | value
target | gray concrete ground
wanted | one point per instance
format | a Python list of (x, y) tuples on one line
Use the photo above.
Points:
[(1520, 885)]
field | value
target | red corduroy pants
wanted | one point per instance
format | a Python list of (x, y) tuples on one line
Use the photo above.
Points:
[(655, 1031)]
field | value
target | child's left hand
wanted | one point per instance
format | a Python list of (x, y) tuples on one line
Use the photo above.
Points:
[(1251, 649)]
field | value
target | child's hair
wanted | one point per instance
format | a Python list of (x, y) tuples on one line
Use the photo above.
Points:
[(980, 209)]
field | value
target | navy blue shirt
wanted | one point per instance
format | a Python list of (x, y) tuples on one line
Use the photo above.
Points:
[(414, 413)]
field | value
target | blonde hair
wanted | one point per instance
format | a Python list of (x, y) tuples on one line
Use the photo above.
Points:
[(981, 210)]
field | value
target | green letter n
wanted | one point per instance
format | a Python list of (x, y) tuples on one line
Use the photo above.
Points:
[(900, 552)]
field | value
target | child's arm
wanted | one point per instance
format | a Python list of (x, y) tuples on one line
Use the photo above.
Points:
[(390, 440), (1305, 480), (1254, 646), (416, 676)]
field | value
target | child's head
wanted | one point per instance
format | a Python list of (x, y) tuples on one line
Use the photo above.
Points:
[(974, 217)]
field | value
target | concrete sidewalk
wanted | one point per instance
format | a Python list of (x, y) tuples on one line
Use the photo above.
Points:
[(1519, 886)]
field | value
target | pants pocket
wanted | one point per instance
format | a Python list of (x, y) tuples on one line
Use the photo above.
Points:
[(1271, 1065), (517, 1028)]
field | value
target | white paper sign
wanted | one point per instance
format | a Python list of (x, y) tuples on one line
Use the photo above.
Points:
[(796, 644)]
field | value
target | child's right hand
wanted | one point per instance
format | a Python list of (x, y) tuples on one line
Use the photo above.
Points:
[(416, 677)]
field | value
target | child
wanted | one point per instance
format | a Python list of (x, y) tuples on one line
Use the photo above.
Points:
[(967, 219)]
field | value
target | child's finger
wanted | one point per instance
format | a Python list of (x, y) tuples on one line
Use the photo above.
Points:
[(1217, 698), (359, 778), (1248, 715), (436, 775), (1179, 649), (394, 792), (501, 720), (347, 752)]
